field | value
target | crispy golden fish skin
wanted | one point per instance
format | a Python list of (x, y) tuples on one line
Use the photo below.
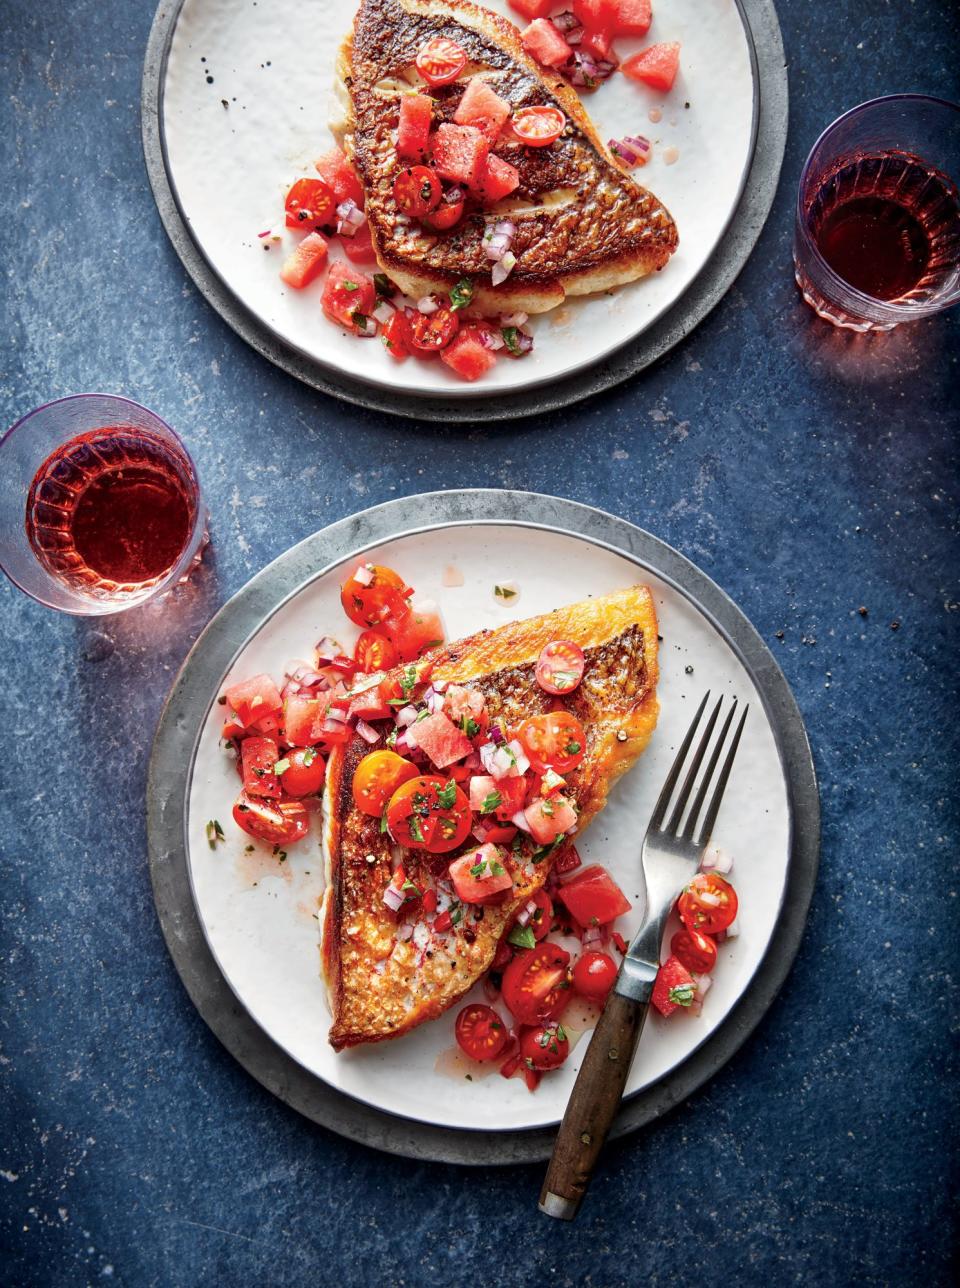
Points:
[(380, 987), (583, 225)]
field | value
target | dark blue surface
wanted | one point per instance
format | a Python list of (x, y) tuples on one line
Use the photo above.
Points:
[(808, 472)]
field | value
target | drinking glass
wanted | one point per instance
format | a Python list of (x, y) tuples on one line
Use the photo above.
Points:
[(78, 474), (878, 204)]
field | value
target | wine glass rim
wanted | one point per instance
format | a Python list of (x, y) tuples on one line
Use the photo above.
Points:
[(811, 247), (81, 397)]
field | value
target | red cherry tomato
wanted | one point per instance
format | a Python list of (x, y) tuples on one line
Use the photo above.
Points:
[(696, 951), (429, 814), (396, 336), (560, 667), (594, 975), (708, 903), (304, 773), (280, 822), (417, 191), (542, 918), (556, 739), (376, 595), (432, 332), (480, 1032), (310, 204), (544, 1047), (538, 126), (441, 60), (449, 213), (374, 652), (536, 984)]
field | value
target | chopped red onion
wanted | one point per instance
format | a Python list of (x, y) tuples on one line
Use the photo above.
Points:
[(364, 575), (503, 269), (570, 25), (593, 935), (366, 327), (429, 304), (367, 732), (715, 860), (498, 238), (326, 650), (587, 72), (350, 218), (383, 312), (704, 983), (406, 716), (404, 932), (520, 756), (492, 340), (401, 746), (520, 820), (631, 150), (335, 715), (497, 735), (393, 898), (514, 319), (526, 912)]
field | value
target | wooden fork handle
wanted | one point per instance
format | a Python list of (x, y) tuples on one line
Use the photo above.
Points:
[(593, 1105)]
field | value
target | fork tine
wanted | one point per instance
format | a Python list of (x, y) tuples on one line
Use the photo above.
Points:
[(690, 829), (674, 824), (663, 801), (714, 806)]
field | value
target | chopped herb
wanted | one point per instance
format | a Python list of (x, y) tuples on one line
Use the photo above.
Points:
[(462, 294), (510, 338), (522, 937), (411, 885), (214, 833), (573, 747), (547, 807), (383, 822), (392, 738), (416, 831), (281, 766), (564, 679), (561, 1033), (497, 868), (469, 726), (385, 288), (447, 795), (456, 914), (350, 286), (422, 715), (504, 592), (409, 681), (478, 869), (541, 853), (309, 756), (682, 994), (491, 802), (279, 855)]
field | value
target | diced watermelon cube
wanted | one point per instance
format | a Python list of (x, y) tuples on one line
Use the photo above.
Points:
[(339, 175), (599, 44), (253, 699), (346, 293), (305, 262), (656, 66), (480, 876), (499, 179), (597, 15), (467, 356), (633, 17), (484, 109), (674, 987), (413, 134), (532, 8), (359, 247), (440, 738), (544, 42), (460, 154)]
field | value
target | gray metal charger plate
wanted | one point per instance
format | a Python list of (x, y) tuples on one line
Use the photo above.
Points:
[(770, 127), (168, 785)]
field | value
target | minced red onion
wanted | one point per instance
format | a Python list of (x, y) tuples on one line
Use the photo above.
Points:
[(350, 218), (503, 268), (492, 340), (326, 650), (367, 732), (383, 312), (520, 820), (519, 755), (429, 304), (366, 327), (586, 71), (570, 25), (404, 932), (715, 860), (364, 575), (632, 149), (593, 935), (498, 238), (406, 716), (433, 700), (526, 912), (336, 715), (393, 898), (514, 319)]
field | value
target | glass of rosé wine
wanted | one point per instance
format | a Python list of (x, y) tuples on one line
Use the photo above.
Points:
[(100, 508), (877, 238)]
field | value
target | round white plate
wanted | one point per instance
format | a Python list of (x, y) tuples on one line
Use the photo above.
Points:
[(259, 916), (246, 98)]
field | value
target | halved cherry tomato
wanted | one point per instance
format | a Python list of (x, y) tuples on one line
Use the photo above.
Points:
[(593, 898), (432, 332), (417, 191), (374, 652), (368, 602), (544, 1047), (536, 984), (396, 336), (309, 204), (708, 903), (429, 814), (560, 667), (696, 951), (556, 739), (594, 975), (448, 213), (258, 757), (304, 773), (280, 822), (376, 779), (538, 126), (480, 1032), (441, 60), (542, 918)]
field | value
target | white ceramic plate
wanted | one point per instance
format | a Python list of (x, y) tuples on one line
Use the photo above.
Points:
[(271, 62), (259, 916)]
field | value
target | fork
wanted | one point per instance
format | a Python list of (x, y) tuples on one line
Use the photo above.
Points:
[(669, 858)]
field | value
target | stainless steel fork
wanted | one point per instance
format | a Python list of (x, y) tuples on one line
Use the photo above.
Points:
[(670, 856)]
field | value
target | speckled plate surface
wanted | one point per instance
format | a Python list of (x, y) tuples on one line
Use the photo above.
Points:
[(258, 917), (241, 112)]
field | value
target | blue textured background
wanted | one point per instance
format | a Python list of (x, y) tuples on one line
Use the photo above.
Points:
[(808, 472)]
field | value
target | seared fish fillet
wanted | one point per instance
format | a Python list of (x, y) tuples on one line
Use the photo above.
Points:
[(381, 986), (582, 224)]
